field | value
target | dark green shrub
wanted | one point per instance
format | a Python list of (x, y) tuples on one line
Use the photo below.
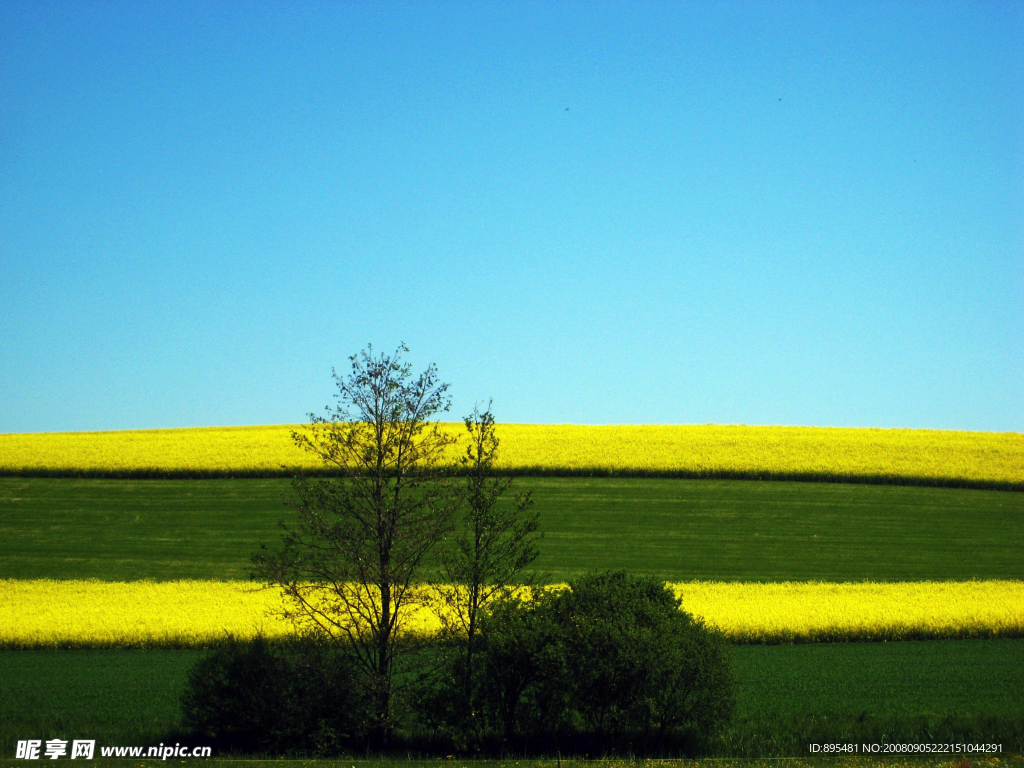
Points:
[(637, 667), (609, 665), (258, 697), (461, 716), (522, 656)]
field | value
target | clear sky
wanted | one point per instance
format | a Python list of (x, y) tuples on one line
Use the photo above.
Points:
[(600, 213)]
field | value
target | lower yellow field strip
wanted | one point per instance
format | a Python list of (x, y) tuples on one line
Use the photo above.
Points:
[(981, 459), (52, 614), (49, 613), (815, 611)]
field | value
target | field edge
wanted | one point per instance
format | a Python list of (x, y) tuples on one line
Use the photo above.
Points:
[(253, 473)]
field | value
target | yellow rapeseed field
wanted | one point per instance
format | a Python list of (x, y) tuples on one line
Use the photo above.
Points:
[(819, 611), (48, 613), (978, 458)]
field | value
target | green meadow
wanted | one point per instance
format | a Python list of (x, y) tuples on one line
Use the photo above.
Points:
[(789, 695), (677, 530), (513, 762)]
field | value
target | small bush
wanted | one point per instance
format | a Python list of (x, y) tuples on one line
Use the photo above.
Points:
[(257, 697)]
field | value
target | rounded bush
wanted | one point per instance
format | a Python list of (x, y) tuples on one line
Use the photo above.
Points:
[(257, 697), (610, 664), (637, 667)]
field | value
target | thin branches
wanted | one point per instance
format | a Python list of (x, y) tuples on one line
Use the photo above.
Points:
[(348, 568)]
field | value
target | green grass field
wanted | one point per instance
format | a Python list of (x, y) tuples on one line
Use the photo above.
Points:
[(122, 697), (676, 530), (789, 694), (512, 762)]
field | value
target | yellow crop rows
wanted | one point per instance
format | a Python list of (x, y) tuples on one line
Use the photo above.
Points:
[(980, 458), (47, 613), (816, 611)]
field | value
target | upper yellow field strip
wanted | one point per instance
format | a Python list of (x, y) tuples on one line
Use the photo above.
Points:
[(48, 613), (979, 458)]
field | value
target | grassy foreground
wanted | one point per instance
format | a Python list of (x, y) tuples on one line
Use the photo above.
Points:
[(928, 457), (674, 530), (182, 614), (789, 695)]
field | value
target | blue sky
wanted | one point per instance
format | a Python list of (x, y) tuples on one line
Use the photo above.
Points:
[(601, 213)]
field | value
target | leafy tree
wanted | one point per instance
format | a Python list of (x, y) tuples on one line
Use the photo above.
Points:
[(350, 567), (611, 663), (495, 542)]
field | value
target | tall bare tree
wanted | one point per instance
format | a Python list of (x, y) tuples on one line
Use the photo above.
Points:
[(350, 566), (495, 542)]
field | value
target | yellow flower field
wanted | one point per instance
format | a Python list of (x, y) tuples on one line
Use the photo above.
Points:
[(979, 458), (47, 613), (815, 611)]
